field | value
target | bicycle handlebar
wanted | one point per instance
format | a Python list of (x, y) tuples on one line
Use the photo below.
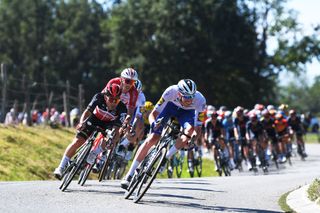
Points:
[(192, 138)]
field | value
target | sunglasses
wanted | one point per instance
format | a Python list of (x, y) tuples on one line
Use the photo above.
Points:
[(128, 81), (188, 97)]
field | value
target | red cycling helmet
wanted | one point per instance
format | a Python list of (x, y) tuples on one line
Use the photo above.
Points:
[(113, 90)]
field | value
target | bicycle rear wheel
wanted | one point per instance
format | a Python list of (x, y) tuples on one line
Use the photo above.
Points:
[(85, 174), (150, 174), (106, 164)]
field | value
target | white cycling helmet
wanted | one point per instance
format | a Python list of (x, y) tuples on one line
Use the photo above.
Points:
[(187, 87), (138, 85), (129, 73)]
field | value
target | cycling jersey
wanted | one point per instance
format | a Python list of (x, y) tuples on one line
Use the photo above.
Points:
[(101, 116), (240, 125), (129, 98), (254, 129), (229, 128), (214, 130), (268, 126), (295, 124), (281, 127), (140, 103), (169, 106)]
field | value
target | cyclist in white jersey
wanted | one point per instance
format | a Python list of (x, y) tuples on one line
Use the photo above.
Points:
[(132, 139), (182, 101)]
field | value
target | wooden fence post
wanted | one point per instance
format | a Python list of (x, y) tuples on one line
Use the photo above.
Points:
[(67, 105), (80, 98)]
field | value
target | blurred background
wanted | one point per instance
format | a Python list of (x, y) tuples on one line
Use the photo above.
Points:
[(55, 55)]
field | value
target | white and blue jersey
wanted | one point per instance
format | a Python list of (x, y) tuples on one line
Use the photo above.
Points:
[(228, 126), (140, 103), (169, 106)]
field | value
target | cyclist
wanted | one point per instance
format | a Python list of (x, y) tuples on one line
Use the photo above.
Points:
[(228, 126), (268, 125), (296, 127), (129, 96), (105, 110), (137, 132), (282, 130), (215, 136), (255, 135), (182, 101), (240, 130)]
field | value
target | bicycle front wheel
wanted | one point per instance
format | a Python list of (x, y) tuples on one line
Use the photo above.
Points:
[(199, 166), (150, 174), (78, 164)]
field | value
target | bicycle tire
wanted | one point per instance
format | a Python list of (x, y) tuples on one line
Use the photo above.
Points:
[(70, 166), (105, 166), (86, 173), (137, 176), (68, 169), (120, 171), (191, 169), (132, 186), (79, 161), (179, 168), (170, 172), (153, 168), (199, 167)]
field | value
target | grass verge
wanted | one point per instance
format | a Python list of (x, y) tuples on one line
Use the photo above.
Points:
[(314, 191), (283, 203)]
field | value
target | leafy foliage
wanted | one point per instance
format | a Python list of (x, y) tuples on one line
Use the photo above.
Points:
[(299, 95), (222, 45)]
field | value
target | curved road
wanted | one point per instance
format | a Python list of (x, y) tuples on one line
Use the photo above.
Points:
[(243, 192)]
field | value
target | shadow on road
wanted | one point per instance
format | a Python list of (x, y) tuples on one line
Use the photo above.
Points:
[(183, 188), (178, 204)]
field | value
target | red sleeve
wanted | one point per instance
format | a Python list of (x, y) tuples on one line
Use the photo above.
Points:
[(133, 97)]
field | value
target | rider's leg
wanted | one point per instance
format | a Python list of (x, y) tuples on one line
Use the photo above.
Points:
[(151, 140)]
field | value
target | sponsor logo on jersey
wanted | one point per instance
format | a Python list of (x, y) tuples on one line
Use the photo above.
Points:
[(161, 101)]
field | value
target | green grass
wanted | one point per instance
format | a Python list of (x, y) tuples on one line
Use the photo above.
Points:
[(283, 203), (208, 170), (31, 153), (312, 138), (314, 190)]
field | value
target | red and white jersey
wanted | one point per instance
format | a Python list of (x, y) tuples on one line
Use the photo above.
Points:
[(129, 98)]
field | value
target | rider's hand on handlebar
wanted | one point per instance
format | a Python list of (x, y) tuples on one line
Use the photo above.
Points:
[(156, 124)]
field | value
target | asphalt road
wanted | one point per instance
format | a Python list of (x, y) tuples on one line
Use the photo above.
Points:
[(243, 192)]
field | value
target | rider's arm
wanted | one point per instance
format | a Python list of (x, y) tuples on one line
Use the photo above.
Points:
[(91, 106), (248, 132), (206, 134), (235, 129), (85, 115), (153, 115)]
